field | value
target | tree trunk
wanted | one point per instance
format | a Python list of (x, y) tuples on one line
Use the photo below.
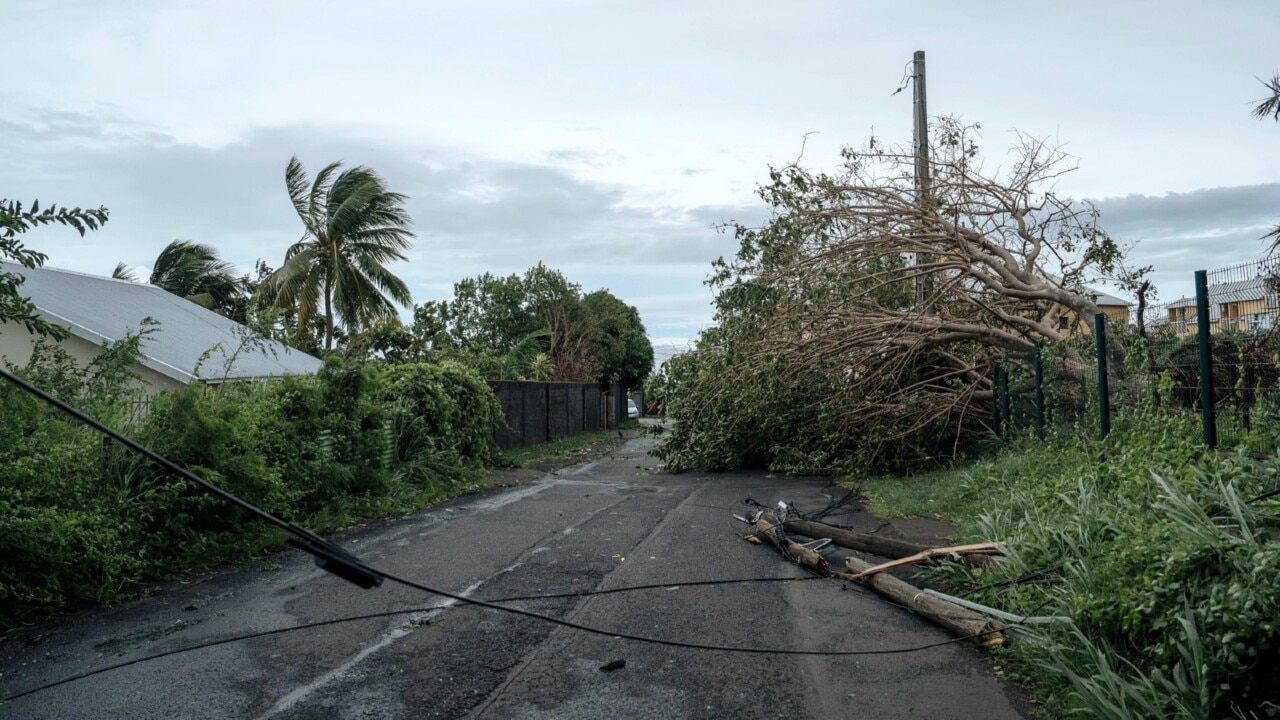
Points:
[(328, 315)]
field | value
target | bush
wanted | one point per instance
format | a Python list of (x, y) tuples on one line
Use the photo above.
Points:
[(444, 410), (82, 519)]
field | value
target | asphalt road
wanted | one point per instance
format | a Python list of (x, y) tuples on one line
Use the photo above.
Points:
[(611, 523)]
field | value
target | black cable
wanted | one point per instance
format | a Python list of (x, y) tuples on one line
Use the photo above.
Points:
[(1263, 496), (654, 586), (387, 613), (408, 611), (328, 556), (347, 566), (659, 641)]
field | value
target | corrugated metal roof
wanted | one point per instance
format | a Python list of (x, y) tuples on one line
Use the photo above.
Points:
[(1102, 299), (98, 308), (1228, 292)]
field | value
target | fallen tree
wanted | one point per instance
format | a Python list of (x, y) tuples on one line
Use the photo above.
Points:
[(834, 349)]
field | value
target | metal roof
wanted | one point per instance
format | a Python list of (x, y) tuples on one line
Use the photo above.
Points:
[(99, 309), (1102, 299), (1228, 292)]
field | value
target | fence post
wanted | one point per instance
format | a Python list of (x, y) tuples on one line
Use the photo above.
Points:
[(1038, 369), (1104, 397), (1207, 418)]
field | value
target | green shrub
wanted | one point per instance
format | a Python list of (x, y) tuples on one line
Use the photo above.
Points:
[(83, 519), (444, 410)]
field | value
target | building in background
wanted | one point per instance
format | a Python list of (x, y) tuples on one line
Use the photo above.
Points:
[(190, 344)]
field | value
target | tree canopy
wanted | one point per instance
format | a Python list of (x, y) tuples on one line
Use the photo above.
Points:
[(626, 355), (194, 271), (538, 325)]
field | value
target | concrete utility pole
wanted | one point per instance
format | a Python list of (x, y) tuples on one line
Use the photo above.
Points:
[(921, 142)]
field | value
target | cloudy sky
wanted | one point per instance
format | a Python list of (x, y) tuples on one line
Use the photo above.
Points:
[(609, 139)]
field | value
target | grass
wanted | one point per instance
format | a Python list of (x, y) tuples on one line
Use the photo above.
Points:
[(1146, 541), (562, 448), (945, 493)]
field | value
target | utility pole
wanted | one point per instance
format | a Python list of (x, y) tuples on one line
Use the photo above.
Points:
[(923, 183)]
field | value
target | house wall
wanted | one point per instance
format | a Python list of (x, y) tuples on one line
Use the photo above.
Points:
[(16, 344), (1117, 314), (1243, 315)]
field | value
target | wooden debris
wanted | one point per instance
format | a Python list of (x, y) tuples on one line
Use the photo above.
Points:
[(965, 623), (980, 548), (753, 538), (993, 612), (886, 547), (767, 525)]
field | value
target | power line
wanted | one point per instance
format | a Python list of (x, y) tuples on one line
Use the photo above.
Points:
[(334, 559), (490, 604)]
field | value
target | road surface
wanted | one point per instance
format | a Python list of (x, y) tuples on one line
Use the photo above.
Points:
[(610, 523)]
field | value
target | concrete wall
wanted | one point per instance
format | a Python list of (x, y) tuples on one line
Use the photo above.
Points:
[(536, 412)]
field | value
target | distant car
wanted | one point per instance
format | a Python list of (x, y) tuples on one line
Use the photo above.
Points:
[(633, 412)]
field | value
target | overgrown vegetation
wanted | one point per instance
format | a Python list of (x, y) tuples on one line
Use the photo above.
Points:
[(84, 520), (1149, 543)]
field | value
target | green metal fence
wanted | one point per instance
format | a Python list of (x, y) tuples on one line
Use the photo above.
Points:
[(1213, 356)]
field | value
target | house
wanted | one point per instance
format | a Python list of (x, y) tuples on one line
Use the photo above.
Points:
[(1244, 305), (189, 345), (1116, 310)]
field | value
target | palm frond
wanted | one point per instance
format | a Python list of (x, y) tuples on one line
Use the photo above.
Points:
[(384, 279), (124, 272), (1269, 105), (295, 180)]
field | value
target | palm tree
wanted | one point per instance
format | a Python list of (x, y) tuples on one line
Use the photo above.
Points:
[(195, 272), (124, 272), (1269, 105), (352, 226)]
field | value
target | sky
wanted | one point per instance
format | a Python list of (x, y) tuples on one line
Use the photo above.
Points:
[(613, 140)]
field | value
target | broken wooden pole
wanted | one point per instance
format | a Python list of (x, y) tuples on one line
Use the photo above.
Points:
[(965, 623), (929, 554), (767, 524), (886, 547)]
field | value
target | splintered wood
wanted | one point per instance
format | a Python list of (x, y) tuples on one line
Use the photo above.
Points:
[(962, 621), (767, 524), (978, 549)]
